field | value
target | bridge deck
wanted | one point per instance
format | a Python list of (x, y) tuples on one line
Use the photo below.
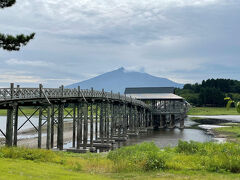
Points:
[(97, 115)]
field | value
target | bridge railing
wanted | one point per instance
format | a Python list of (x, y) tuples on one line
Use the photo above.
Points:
[(17, 93)]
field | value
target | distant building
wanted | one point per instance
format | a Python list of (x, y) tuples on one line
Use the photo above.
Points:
[(168, 108)]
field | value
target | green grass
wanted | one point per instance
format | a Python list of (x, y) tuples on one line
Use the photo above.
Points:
[(232, 133), (212, 111), (25, 169), (143, 161)]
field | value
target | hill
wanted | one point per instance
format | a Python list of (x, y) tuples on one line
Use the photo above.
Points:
[(119, 79)]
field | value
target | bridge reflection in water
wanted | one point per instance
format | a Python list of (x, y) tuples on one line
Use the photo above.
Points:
[(99, 118)]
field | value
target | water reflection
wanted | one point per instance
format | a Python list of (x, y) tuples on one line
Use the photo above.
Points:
[(170, 137)]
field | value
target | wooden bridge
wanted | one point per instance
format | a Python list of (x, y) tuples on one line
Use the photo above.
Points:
[(99, 118)]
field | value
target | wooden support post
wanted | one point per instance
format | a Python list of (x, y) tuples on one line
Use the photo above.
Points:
[(52, 125), (105, 120), (91, 125), (107, 123), (182, 121), (151, 119), (119, 120), (48, 127), (74, 126), (60, 125), (9, 128), (85, 132), (79, 125), (135, 120), (101, 122), (15, 125), (112, 120), (125, 117), (173, 120), (40, 127), (96, 121), (101, 119), (130, 119)]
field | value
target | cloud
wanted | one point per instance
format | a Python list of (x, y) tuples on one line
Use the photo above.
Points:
[(28, 63), (187, 40)]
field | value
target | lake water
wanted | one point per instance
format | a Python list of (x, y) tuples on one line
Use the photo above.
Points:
[(162, 137), (231, 118)]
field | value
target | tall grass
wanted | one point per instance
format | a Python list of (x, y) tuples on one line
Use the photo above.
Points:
[(141, 157), (30, 154), (145, 156)]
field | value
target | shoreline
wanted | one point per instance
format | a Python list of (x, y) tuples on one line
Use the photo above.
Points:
[(210, 126), (32, 142)]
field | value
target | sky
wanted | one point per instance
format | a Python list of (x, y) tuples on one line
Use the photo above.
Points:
[(182, 40)]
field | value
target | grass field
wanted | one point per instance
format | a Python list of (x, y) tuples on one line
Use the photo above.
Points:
[(196, 161), (212, 111), (232, 132)]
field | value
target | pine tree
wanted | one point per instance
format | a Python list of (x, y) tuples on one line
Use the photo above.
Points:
[(10, 42)]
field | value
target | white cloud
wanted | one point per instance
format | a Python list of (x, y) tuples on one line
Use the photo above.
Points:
[(14, 62), (18, 77), (83, 38)]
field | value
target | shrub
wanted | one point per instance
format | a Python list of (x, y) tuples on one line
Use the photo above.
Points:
[(30, 154), (145, 156)]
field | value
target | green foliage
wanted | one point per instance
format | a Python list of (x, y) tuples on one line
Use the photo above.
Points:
[(145, 156), (6, 3), (230, 102), (13, 43), (210, 92), (29, 154), (212, 156), (212, 111), (9, 42)]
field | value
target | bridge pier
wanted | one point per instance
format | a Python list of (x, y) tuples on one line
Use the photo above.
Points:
[(9, 128), (40, 127), (48, 140), (116, 116), (15, 125), (52, 125), (79, 125), (182, 122), (74, 126), (60, 126)]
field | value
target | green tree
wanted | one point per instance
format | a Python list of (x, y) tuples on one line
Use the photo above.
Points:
[(230, 102), (10, 42)]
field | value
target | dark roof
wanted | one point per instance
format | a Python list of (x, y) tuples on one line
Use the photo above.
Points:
[(147, 90)]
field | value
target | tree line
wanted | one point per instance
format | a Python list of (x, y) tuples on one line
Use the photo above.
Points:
[(210, 92)]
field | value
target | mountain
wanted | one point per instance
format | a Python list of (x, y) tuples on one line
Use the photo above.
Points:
[(119, 79)]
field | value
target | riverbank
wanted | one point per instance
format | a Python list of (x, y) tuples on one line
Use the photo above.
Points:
[(209, 111), (29, 137), (198, 161), (222, 127), (231, 132)]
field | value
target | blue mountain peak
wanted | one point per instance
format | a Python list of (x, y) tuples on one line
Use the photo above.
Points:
[(119, 79)]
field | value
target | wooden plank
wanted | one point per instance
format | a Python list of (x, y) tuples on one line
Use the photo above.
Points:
[(9, 128), (74, 126), (101, 122), (40, 128), (85, 126), (107, 122), (96, 121), (79, 125), (91, 124), (15, 125), (60, 126), (52, 125), (48, 140)]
